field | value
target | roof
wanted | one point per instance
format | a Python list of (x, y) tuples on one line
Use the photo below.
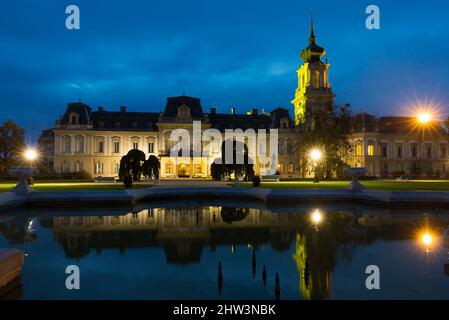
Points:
[(173, 103)]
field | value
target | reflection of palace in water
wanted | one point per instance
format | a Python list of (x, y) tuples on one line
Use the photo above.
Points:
[(182, 233), (320, 244)]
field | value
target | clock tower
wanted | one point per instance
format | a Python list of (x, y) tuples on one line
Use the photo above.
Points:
[(314, 91)]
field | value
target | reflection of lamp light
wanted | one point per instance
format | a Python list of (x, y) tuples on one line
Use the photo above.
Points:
[(316, 216), (30, 154)]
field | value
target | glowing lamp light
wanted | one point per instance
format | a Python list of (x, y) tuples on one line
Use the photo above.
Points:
[(316, 217), (424, 118), (30, 154), (316, 155)]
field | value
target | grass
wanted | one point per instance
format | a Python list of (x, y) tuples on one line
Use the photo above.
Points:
[(70, 186), (442, 185)]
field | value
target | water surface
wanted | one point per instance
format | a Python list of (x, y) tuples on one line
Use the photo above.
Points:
[(174, 252)]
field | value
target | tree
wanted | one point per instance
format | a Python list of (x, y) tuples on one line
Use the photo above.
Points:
[(239, 150), (329, 133), (151, 167), (11, 145), (131, 164)]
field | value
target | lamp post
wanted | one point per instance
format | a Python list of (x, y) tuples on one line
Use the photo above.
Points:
[(24, 173), (316, 156), (30, 156)]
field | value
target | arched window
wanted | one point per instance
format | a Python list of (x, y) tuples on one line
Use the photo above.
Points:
[(66, 144), (317, 79), (79, 144)]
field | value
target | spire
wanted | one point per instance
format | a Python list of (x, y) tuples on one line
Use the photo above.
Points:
[(312, 31)]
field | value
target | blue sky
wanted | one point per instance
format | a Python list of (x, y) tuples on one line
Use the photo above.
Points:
[(229, 53)]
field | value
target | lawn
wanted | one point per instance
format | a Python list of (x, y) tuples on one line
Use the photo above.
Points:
[(70, 186), (372, 185)]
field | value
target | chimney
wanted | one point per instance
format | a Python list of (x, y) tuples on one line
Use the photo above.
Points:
[(213, 110), (254, 111), (123, 109), (100, 109), (233, 110)]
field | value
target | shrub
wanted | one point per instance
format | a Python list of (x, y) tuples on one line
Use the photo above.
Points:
[(82, 175), (256, 181), (128, 181)]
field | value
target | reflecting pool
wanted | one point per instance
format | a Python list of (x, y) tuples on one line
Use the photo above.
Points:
[(225, 252)]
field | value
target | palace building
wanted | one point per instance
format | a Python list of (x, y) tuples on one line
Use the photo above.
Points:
[(95, 140)]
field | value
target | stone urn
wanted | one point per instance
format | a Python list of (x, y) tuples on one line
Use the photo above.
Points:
[(24, 174), (355, 174)]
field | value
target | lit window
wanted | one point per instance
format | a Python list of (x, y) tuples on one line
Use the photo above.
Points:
[(358, 150), (151, 147), (290, 168), (99, 168), (135, 145), (317, 79), (168, 167), (370, 150), (115, 168)]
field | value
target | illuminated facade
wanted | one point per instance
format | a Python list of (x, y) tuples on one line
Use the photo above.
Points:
[(95, 141)]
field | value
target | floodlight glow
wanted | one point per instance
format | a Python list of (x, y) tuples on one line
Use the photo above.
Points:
[(316, 155), (30, 154), (424, 118)]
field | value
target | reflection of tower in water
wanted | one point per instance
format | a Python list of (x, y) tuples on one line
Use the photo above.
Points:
[(314, 261)]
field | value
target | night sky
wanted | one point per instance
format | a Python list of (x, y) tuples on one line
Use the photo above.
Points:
[(229, 53)]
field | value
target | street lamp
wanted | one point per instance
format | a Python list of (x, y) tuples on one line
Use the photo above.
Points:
[(30, 154), (316, 156), (424, 118)]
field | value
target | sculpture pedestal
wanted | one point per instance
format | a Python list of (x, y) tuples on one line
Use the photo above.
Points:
[(355, 174), (23, 173)]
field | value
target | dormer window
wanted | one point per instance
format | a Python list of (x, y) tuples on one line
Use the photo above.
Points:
[(183, 112), (101, 124), (73, 118), (284, 123), (117, 124), (135, 125)]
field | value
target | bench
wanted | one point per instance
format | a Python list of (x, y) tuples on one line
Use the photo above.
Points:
[(11, 261), (273, 177), (104, 179), (402, 178)]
